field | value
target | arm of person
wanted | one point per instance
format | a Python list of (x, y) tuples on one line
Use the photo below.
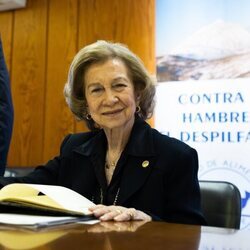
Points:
[(6, 112)]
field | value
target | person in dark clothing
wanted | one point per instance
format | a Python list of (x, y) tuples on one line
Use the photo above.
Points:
[(129, 169), (6, 112)]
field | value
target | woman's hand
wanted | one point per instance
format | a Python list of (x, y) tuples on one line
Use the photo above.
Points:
[(118, 213)]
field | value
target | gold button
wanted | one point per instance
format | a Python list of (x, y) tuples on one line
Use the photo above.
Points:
[(145, 164)]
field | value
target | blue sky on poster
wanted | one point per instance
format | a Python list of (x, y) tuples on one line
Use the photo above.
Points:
[(178, 19)]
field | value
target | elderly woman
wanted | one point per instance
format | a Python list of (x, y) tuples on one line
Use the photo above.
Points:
[(129, 169)]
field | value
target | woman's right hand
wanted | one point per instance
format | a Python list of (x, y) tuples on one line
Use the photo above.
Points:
[(118, 213)]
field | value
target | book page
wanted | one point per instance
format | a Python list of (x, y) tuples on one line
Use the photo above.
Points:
[(65, 197)]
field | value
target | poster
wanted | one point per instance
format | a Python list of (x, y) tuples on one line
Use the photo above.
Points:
[(203, 97)]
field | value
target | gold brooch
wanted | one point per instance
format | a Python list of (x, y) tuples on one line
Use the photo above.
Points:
[(145, 164)]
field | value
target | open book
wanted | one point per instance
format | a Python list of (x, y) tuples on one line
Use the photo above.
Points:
[(43, 200)]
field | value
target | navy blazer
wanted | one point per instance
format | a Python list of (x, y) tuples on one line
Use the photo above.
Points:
[(6, 112), (166, 188)]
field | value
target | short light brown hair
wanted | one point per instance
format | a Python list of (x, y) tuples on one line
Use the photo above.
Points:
[(98, 52)]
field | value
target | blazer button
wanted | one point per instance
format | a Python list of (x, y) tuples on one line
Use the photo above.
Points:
[(145, 164)]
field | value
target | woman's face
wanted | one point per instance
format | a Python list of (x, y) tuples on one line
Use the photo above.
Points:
[(110, 94)]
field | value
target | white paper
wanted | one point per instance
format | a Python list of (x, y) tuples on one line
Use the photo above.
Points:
[(67, 198), (38, 221)]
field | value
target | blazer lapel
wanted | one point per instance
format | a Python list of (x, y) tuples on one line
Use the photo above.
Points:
[(95, 148)]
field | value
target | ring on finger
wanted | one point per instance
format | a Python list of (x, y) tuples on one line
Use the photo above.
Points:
[(118, 211), (131, 215)]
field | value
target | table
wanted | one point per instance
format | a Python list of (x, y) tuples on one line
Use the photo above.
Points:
[(127, 236)]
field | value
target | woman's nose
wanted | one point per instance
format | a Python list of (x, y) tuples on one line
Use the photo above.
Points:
[(110, 98)]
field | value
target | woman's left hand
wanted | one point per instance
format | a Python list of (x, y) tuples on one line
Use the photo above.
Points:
[(118, 213)]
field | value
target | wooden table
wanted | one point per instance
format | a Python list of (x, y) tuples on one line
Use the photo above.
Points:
[(127, 236)]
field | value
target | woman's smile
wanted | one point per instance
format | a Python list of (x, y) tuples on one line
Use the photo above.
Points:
[(112, 112)]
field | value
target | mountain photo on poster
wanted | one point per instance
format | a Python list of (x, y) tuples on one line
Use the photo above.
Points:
[(219, 50)]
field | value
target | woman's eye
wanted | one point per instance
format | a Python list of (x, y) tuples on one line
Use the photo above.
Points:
[(96, 90), (120, 86)]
